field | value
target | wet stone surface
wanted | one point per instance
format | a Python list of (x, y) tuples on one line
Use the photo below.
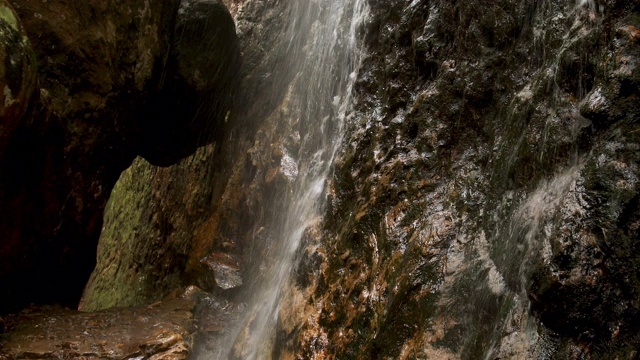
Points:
[(216, 319), (163, 330), (226, 270)]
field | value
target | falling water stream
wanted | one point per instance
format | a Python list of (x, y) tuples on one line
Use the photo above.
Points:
[(318, 101)]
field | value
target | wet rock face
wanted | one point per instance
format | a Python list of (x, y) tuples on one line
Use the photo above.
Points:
[(489, 167), (97, 67), (234, 6), (484, 204), (587, 288)]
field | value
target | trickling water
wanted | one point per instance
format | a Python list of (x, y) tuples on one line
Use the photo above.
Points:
[(318, 101), (591, 4), (498, 264)]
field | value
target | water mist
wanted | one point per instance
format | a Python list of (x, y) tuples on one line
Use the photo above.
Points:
[(317, 102)]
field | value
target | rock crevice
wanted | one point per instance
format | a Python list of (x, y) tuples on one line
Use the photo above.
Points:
[(93, 78)]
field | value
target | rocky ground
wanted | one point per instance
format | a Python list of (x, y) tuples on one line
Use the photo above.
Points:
[(163, 330)]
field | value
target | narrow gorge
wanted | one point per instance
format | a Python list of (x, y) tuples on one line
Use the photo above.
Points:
[(320, 179)]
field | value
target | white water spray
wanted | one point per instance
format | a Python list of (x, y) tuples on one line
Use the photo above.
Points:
[(319, 100)]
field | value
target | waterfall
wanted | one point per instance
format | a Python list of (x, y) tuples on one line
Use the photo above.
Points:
[(316, 105)]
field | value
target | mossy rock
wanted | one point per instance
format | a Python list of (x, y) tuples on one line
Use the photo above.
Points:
[(17, 72)]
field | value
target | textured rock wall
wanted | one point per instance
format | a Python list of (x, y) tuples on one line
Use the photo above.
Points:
[(485, 202), (94, 70)]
